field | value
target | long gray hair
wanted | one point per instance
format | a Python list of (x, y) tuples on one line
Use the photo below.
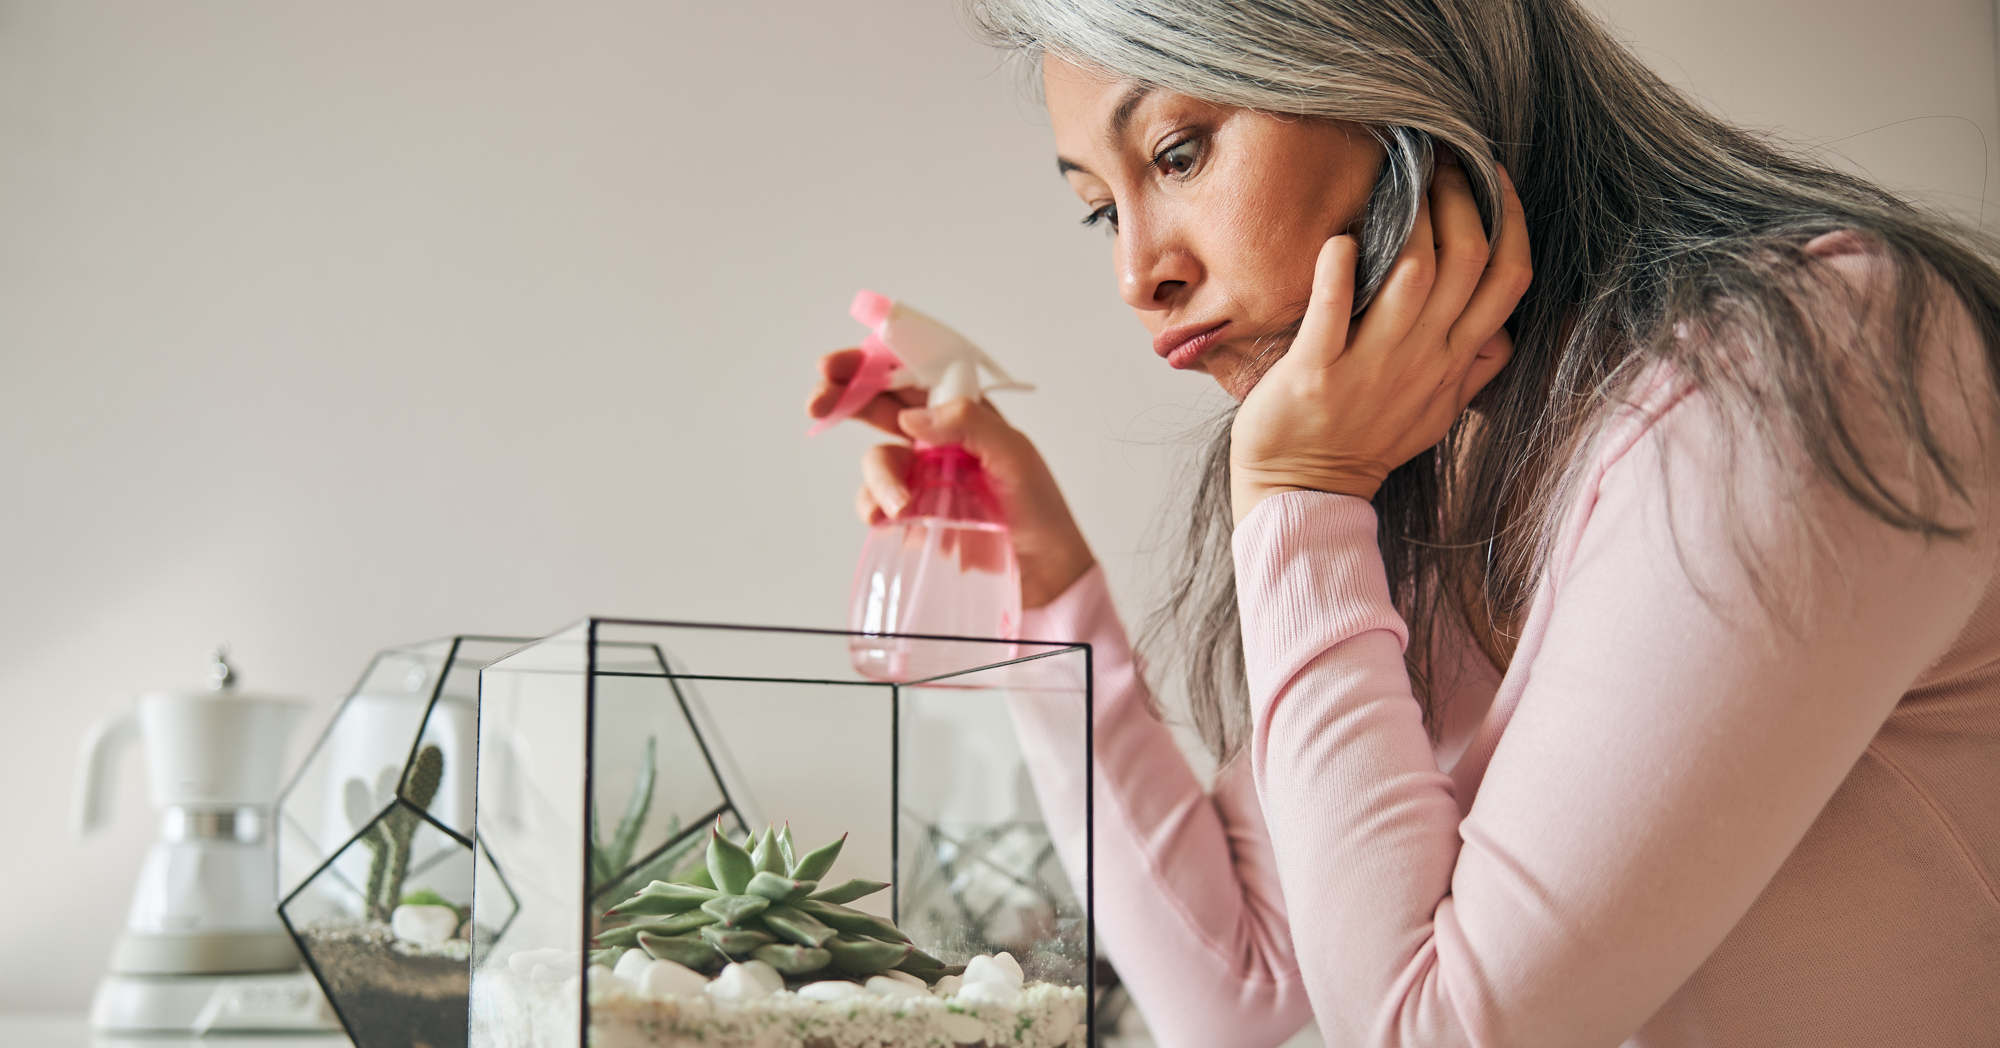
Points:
[(1645, 214)]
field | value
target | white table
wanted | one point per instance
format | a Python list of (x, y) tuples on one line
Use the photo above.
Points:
[(73, 1031)]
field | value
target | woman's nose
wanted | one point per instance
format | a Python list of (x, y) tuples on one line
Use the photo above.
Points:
[(1156, 269)]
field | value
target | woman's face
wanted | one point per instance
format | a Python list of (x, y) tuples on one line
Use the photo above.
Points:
[(1217, 213)]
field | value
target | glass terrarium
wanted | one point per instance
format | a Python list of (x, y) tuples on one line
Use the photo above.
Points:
[(725, 835), (375, 851)]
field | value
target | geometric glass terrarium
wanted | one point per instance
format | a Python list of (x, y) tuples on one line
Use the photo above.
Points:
[(375, 852), (626, 768)]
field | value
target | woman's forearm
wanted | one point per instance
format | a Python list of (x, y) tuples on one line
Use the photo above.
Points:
[(1187, 901)]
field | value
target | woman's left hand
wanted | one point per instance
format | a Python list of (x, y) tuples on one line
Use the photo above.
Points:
[(1351, 401)]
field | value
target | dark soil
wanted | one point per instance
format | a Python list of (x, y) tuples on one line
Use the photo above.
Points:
[(390, 1000)]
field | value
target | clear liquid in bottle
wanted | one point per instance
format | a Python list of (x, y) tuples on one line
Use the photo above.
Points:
[(944, 566)]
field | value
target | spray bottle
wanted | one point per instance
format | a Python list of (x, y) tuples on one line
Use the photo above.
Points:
[(945, 564)]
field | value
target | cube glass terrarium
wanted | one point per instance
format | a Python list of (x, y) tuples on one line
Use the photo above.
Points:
[(375, 850), (627, 767)]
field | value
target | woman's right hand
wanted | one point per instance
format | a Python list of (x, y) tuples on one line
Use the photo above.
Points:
[(1047, 542)]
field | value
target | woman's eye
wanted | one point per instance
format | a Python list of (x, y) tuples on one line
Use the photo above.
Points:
[(1178, 159), (1107, 215)]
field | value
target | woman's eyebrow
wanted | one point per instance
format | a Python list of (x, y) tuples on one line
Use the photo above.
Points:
[(1121, 118)]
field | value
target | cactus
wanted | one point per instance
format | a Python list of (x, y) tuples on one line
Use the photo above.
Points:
[(607, 860), (388, 840), (758, 900)]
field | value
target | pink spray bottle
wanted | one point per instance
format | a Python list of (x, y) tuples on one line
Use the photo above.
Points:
[(945, 564)]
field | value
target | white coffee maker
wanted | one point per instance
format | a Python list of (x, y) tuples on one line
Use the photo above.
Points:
[(203, 949)]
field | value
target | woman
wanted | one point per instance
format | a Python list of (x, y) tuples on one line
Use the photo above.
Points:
[(1619, 647)]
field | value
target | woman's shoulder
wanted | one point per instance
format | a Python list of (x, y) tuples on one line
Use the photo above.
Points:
[(1892, 408), (1843, 243), (1869, 327), (1888, 336), (1861, 257), (1854, 274)]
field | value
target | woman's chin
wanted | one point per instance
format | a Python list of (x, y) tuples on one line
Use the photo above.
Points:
[(1238, 377)]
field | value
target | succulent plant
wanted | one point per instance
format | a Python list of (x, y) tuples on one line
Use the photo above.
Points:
[(761, 900), (388, 839), (608, 859)]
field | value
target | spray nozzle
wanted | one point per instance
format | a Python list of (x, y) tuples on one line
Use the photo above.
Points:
[(907, 350)]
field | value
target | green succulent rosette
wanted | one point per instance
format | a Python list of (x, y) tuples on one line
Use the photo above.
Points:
[(761, 900)]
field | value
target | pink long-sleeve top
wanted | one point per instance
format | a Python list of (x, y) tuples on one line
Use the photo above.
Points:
[(1685, 815)]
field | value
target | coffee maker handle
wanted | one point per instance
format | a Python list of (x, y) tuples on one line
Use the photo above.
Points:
[(95, 763)]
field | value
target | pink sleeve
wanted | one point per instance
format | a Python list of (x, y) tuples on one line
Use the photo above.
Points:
[(1187, 899), (1670, 741)]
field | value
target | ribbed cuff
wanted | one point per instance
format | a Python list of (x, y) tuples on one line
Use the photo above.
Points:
[(1308, 576)]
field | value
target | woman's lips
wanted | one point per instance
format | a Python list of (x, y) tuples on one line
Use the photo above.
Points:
[(1182, 346)]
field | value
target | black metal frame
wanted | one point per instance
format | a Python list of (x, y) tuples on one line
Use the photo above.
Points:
[(591, 673)]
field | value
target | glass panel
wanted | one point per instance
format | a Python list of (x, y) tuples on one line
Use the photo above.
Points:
[(374, 848), (960, 791), (452, 726), (495, 912), (399, 983), (815, 756), (993, 766), (700, 649), (532, 749), (353, 771), (655, 786)]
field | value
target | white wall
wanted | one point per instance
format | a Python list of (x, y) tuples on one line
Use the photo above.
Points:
[(326, 327), (1899, 92)]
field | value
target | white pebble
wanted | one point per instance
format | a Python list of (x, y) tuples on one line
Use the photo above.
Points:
[(831, 990), (999, 971), (631, 963), (963, 1028), (606, 983), (762, 971), (947, 986), (424, 925), (988, 993), (906, 977), (737, 983), (664, 978), (1011, 966), (882, 987)]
